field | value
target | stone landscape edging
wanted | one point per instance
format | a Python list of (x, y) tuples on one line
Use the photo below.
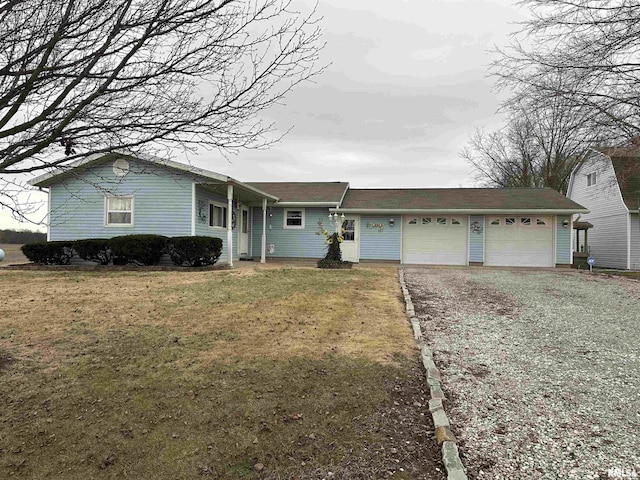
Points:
[(444, 437)]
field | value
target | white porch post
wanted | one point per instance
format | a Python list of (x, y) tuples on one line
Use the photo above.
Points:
[(230, 224), (263, 251)]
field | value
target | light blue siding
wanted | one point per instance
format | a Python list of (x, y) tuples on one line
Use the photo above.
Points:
[(476, 238), (563, 240), (289, 243), (203, 197), (162, 202), (380, 245)]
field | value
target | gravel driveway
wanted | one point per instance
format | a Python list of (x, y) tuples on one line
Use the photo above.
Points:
[(541, 369)]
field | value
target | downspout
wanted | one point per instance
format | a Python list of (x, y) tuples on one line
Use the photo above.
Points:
[(629, 240), (263, 243), (193, 209), (49, 214), (230, 225)]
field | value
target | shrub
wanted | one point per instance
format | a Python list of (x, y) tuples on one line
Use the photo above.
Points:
[(333, 258), (49, 253), (326, 263), (137, 249), (194, 251), (94, 250)]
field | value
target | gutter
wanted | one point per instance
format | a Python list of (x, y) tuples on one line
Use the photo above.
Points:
[(463, 211)]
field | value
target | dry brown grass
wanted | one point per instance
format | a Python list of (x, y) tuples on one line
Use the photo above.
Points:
[(13, 254), (176, 375)]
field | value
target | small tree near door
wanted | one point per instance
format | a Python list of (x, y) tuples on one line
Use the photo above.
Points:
[(333, 258)]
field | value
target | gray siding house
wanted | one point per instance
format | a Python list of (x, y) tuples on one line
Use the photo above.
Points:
[(608, 184), (118, 194)]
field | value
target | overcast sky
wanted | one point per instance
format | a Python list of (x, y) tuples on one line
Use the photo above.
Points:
[(405, 88)]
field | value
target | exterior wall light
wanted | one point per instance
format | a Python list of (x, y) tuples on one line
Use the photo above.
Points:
[(336, 221), (392, 222), (565, 223)]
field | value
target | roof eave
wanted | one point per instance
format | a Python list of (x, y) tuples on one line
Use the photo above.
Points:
[(308, 204), (466, 211)]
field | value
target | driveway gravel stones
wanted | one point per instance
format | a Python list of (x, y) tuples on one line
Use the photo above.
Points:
[(540, 369)]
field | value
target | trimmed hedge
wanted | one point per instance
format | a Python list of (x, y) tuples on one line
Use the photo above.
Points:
[(138, 249), (195, 251), (94, 250), (49, 253)]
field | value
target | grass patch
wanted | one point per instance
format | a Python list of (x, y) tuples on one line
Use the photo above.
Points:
[(177, 375), (13, 254), (621, 273)]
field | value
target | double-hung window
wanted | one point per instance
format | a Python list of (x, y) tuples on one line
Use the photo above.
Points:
[(119, 211), (217, 215), (592, 179), (294, 218)]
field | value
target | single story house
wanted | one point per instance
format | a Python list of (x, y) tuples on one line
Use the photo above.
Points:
[(116, 194), (608, 184)]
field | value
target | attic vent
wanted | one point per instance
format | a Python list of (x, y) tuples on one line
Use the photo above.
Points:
[(120, 167)]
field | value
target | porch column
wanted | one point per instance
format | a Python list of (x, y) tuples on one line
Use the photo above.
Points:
[(230, 224), (263, 251)]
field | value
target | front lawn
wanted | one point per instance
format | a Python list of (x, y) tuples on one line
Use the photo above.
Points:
[(251, 373)]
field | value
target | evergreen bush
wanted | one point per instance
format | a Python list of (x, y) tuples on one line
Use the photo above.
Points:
[(94, 250), (197, 251), (49, 253), (137, 249)]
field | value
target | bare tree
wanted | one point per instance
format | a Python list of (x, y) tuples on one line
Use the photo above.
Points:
[(594, 44), (542, 142), (79, 77)]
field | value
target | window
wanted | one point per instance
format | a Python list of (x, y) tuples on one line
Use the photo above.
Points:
[(294, 218), (413, 221), (539, 221), (525, 220), (510, 221), (455, 221), (244, 222), (426, 220), (495, 221), (217, 216), (441, 220), (119, 211), (349, 227), (591, 179)]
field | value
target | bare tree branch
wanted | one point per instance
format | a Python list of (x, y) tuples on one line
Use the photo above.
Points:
[(90, 76)]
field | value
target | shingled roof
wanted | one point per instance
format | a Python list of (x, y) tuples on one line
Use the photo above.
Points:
[(626, 164), (305, 193), (461, 199)]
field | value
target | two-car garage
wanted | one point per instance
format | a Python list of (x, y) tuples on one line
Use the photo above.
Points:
[(506, 240)]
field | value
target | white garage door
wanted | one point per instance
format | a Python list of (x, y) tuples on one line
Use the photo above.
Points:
[(434, 240), (522, 241)]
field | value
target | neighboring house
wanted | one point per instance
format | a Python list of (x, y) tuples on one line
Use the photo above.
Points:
[(115, 194), (608, 184)]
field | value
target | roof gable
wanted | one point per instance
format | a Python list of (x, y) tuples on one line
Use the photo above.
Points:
[(205, 176), (626, 165)]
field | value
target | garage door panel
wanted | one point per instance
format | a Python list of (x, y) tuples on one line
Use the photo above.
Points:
[(522, 242), (431, 243)]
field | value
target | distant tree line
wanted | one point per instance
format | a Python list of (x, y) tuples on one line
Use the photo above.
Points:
[(21, 237)]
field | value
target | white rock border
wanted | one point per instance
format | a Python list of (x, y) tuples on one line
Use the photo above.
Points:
[(446, 440)]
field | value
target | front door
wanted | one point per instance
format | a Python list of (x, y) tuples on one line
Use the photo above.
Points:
[(351, 233), (244, 231)]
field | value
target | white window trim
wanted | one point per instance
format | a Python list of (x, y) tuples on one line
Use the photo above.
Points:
[(106, 212), (293, 227), (224, 215), (593, 175)]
